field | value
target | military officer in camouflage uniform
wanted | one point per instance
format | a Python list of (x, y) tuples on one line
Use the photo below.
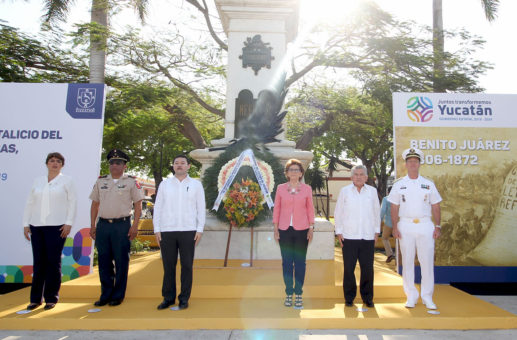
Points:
[(113, 197)]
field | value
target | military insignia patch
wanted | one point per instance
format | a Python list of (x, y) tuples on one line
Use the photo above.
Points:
[(424, 186)]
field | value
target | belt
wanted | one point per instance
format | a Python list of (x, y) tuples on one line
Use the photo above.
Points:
[(415, 220), (114, 220)]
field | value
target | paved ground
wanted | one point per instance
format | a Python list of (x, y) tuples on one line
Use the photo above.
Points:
[(508, 303)]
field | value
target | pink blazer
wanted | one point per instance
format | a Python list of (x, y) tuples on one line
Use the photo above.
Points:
[(299, 206)]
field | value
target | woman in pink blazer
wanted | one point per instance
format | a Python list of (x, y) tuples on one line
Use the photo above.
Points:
[(293, 217)]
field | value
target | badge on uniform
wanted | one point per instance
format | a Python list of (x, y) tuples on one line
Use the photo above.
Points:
[(138, 186), (121, 186), (104, 186), (425, 186), (403, 198), (402, 188)]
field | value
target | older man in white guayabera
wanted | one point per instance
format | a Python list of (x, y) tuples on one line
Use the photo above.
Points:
[(358, 225)]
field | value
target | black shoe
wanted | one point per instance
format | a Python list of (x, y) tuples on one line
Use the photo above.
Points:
[(33, 306), (369, 304), (349, 304), (49, 306), (101, 303), (165, 304), (390, 258), (183, 305), (115, 302)]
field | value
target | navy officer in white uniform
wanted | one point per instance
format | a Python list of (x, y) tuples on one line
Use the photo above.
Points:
[(414, 201)]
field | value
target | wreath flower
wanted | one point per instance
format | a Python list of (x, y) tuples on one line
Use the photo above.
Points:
[(265, 170), (243, 203)]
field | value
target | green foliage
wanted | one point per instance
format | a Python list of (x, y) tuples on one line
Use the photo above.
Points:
[(211, 175), (315, 177), (361, 127), (138, 246), (136, 121), (24, 58)]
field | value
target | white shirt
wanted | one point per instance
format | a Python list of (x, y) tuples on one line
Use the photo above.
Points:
[(179, 206), (357, 214), (414, 196), (51, 203)]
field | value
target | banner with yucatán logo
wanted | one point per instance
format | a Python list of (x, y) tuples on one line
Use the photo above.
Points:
[(36, 119), (470, 152)]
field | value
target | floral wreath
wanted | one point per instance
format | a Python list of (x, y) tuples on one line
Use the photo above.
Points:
[(243, 203), (265, 170), (268, 164)]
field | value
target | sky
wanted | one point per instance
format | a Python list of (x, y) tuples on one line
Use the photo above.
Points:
[(500, 48)]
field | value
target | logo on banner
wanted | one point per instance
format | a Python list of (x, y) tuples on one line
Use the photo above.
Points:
[(86, 97), (85, 101), (420, 109)]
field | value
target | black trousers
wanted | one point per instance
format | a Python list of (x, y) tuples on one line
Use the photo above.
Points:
[(113, 245), (362, 250), (172, 244), (47, 246), (293, 247)]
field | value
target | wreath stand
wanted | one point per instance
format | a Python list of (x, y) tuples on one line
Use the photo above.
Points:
[(228, 247)]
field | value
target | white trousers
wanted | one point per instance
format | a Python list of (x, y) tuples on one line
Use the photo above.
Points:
[(417, 237)]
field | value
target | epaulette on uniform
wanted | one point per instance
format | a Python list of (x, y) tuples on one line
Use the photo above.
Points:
[(103, 176), (130, 176)]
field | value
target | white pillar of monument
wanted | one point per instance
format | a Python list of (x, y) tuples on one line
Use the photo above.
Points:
[(276, 21)]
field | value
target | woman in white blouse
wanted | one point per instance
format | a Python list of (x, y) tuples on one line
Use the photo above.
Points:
[(47, 220)]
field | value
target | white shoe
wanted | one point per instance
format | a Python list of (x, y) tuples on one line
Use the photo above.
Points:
[(430, 305), (410, 304)]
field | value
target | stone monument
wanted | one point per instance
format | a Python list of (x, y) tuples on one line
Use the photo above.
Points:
[(258, 33)]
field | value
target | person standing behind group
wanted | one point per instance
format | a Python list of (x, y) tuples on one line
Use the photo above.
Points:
[(358, 224), (414, 199), (179, 220), (47, 220), (113, 197), (293, 218), (386, 227)]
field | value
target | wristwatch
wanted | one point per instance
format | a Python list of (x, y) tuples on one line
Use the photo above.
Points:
[(438, 226)]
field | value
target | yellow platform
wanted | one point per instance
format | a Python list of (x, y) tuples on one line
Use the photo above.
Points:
[(251, 298)]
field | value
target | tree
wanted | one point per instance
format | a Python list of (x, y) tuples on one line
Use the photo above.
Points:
[(98, 29), (358, 123), (24, 58), (138, 120), (372, 42), (490, 9), (361, 128), (198, 68)]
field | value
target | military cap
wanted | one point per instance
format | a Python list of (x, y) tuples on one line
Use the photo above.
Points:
[(117, 154), (413, 152)]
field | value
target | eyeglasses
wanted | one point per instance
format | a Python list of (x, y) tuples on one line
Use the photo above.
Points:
[(116, 161)]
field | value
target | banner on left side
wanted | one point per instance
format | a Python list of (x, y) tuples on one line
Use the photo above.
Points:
[(36, 119)]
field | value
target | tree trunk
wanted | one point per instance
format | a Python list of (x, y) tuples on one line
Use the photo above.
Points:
[(187, 126), (158, 178), (98, 39), (305, 140), (438, 48)]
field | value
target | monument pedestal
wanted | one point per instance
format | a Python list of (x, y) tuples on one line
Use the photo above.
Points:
[(215, 236)]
